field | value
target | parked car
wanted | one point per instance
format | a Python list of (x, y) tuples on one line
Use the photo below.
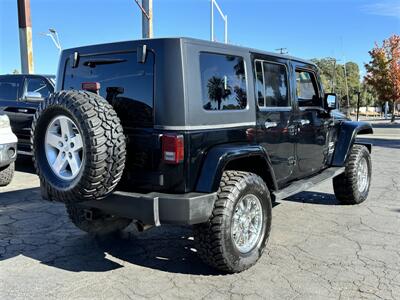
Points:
[(196, 133), (20, 96), (8, 150)]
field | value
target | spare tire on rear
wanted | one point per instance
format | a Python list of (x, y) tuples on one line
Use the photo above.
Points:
[(78, 146)]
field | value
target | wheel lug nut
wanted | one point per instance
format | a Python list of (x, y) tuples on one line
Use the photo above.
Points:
[(70, 155)]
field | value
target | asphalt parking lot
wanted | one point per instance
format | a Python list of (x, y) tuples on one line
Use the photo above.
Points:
[(318, 249)]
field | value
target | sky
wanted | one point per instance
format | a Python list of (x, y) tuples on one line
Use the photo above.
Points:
[(346, 30)]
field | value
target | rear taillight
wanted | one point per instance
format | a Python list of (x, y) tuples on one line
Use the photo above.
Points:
[(172, 148), (91, 86)]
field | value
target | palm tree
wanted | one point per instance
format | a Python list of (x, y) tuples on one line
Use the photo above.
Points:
[(216, 90)]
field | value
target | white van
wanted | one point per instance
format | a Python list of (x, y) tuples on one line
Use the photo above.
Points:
[(8, 150)]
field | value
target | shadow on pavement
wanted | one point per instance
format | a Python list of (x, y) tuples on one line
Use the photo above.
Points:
[(25, 164), (386, 125), (314, 198), (42, 231), (385, 143)]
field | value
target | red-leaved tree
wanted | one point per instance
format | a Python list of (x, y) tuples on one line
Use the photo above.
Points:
[(383, 71)]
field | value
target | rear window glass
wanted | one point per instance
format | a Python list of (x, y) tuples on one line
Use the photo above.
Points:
[(9, 88), (123, 81), (223, 82)]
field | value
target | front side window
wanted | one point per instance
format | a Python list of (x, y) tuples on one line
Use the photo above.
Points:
[(9, 88), (272, 85), (306, 89), (223, 82), (37, 85)]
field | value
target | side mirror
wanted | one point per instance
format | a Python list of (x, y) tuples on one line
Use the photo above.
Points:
[(331, 101), (33, 97)]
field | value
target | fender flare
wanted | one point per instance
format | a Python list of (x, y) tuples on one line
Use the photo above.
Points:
[(218, 158), (348, 131)]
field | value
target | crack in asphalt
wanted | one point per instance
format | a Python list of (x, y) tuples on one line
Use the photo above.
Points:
[(317, 249)]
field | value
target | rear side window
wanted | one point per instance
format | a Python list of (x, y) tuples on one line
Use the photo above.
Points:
[(9, 88), (223, 82), (272, 84), (124, 82)]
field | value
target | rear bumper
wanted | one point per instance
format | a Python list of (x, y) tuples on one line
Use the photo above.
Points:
[(158, 208), (8, 154)]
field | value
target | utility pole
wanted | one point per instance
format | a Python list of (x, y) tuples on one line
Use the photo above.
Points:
[(25, 36), (147, 18), (347, 91), (334, 76), (224, 17), (334, 61), (282, 50)]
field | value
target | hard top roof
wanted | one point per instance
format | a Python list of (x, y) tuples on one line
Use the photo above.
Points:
[(208, 43)]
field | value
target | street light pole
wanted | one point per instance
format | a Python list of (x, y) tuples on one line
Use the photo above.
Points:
[(224, 17), (358, 103), (54, 37), (147, 18)]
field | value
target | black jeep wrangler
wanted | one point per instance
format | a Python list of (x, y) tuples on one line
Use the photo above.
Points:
[(183, 131)]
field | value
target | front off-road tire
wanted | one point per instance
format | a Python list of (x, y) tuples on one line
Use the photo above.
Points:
[(101, 223), (352, 186), (7, 174), (217, 243), (102, 144)]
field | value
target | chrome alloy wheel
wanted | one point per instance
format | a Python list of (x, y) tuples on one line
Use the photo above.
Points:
[(247, 223), (362, 175), (64, 148)]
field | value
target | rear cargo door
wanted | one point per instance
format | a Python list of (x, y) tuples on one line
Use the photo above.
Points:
[(129, 86)]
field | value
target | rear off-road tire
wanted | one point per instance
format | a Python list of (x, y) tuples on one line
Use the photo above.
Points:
[(100, 225), (91, 118), (352, 186), (219, 242), (7, 174)]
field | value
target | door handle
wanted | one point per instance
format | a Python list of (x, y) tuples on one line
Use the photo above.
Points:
[(303, 122), (22, 110), (270, 124)]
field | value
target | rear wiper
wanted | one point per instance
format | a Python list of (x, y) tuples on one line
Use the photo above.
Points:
[(93, 63)]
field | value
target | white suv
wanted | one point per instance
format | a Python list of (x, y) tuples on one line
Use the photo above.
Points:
[(8, 151)]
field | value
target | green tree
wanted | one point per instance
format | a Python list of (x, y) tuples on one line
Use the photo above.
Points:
[(368, 95), (353, 81), (326, 67), (334, 80)]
